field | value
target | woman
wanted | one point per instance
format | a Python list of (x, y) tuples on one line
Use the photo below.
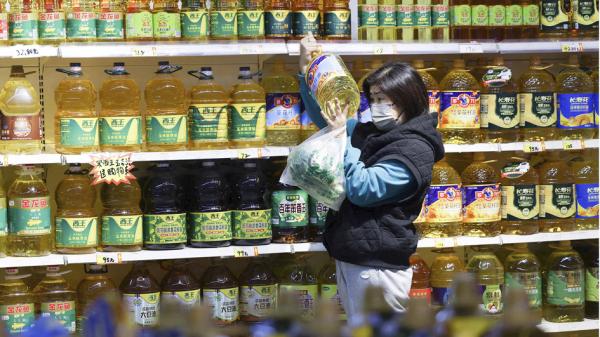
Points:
[(387, 164)]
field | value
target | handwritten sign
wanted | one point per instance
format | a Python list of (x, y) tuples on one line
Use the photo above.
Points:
[(108, 258), (25, 52), (112, 169), (143, 51)]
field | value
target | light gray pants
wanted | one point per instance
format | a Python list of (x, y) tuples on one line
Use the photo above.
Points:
[(352, 280)]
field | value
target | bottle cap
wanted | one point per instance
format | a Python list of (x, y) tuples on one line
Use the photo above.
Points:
[(17, 71), (458, 63), (418, 64), (95, 269)]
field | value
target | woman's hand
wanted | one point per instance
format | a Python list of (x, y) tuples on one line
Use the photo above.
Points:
[(335, 113), (308, 46)]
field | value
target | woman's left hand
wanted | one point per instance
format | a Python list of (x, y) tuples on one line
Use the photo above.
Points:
[(335, 113)]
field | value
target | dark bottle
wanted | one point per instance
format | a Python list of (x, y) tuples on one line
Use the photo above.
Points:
[(220, 292), (298, 278), (591, 282), (209, 216), (289, 214), (164, 213), (180, 285), (317, 215), (258, 292), (141, 295)]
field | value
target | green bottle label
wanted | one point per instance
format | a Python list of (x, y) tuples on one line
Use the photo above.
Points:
[(61, 312), (248, 121), (530, 282), (405, 15), (166, 25), (479, 15), (194, 24), (306, 297), (255, 224), (78, 132), (368, 16), (565, 287), (591, 284), (81, 25), (76, 232), (497, 15), (29, 216), (225, 304), (499, 111), (210, 226), (144, 308), (337, 23), (22, 26), (531, 15), (17, 317), (317, 213), (258, 301), (51, 26), (164, 228), (423, 15), (387, 16), (278, 23), (122, 230), (461, 15), (188, 298), (139, 25), (209, 122), (514, 15), (3, 217), (329, 292), (251, 23), (289, 209), (168, 129), (491, 298), (440, 16), (120, 130), (586, 15), (110, 26), (553, 16), (223, 24), (306, 21)]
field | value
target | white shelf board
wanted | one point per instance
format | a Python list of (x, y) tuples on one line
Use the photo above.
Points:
[(545, 237), (587, 324), (28, 51), (50, 260), (550, 46), (399, 47)]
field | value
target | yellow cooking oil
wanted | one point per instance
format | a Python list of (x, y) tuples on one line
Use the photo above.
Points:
[(17, 302), (584, 169), (520, 197), (575, 96), (432, 85), (55, 299), (4, 20), (489, 273), (51, 23), (122, 217), (444, 268), (481, 198), (208, 113), (283, 106), (81, 20), (95, 284), (459, 119), (522, 269), (166, 110), (120, 115), (537, 102), (248, 112), (29, 219), (20, 107), (387, 20), (3, 218), (76, 120), (368, 20), (166, 20), (557, 194), (22, 21), (138, 21)]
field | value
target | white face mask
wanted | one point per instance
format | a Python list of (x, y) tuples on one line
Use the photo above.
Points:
[(384, 116)]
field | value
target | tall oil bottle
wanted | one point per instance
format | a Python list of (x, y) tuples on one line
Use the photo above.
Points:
[(223, 20), (180, 285), (523, 270), (194, 20), (575, 95), (585, 172), (81, 20), (298, 278), (4, 25), (405, 21), (95, 283), (251, 213), (387, 20), (111, 20), (443, 270), (141, 294), (55, 298), (591, 282), (220, 292), (278, 19), (306, 17), (520, 197), (17, 302), (461, 19), (421, 280), (557, 195), (433, 88), (480, 15), (251, 20), (121, 217), (423, 19), (289, 214), (514, 20), (585, 18), (23, 18), (336, 20), (537, 102), (166, 20), (555, 18), (51, 23), (283, 107), (248, 112), (328, 289), (440, 20), (258, 292), (138, 21), (531, 19), (497, 20), (489, 272), (368, 20)]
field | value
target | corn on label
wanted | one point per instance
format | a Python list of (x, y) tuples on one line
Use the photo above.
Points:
[(434, 101), (514, 15), (387, 15), (405, 15), (209, 122), (223, 24), (497, 15), (210, 226), (188, 298), (576, 111), (289, 209), (248, 121), (557, 201), (110, 26), (531, 282), (329, 292), (586, 15), (224, 304), (479, 15), (169, 129), (461, 15), (165, 228), (166, 25), (51, 26), (591, 284), (491, 298), (81, 25), (78, 132), (29, 216), (255, 224), (440, 16), (443, 203), (122, 230), (499, 111), (139, 25), (23, 26), (306, 297), (3, 217), (565, 287), (306, 122), (520, 202), (194, 24), (459, 110), (3, 26), (61, 312), (17, 317), (587, 201), (76, 232), (258, 301), (481, 203), (120, 131), (143, 307), (423, 15), (283, 111), (368, 16), (306, 21), (251, 23), (537, 109), (337, 23), (317, 213), (553, 16)]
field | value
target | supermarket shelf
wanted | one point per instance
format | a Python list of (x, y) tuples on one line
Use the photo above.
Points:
[(556, 46), (588, 324), (399, 47), (461, 241)]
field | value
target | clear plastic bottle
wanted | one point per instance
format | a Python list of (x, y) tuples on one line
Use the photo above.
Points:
[(283, 106), (23, 18), (421, 280), (433, 88), (166, 20), (336, 17), (110, 25), (55, 298), (440, 20), (251, 214), (258, 291), (575, 95), (585, 173), (95, 283), (138, 21), (121, 217), (81, 20), (278, 19), (387, 20), (181, 286), (328, 290), (141, 294), (489, 273), (248, 112), (51, 23), (289, 214), (557, 195), (523, 270), (17, 302), (518, 319), (520, 197), (298, 278), (220, 292), (194, 20), (368, 14), (251, 20), (223, 20), (443, 270)]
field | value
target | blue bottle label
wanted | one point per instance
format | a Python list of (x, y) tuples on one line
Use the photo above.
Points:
[(481, 203), (443, 204), (441, 296), (283, 111), (364, 110), (575, 111), (587, 201)]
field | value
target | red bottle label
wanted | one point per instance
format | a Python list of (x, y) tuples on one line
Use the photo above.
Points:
[(421, 293)]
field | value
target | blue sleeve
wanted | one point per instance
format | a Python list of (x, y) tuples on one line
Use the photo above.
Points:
[(310, 104)]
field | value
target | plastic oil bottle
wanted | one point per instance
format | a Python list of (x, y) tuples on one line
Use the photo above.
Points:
[(278, 19), (194, 20), (220, 292), (29, 219), (76, 222), (258, 292), (585, 172), (489, 273), (443, 270), (328, 290), (166, 110), (283, 107), (121, 217), (336, 20), (460, 19), (406, 20), (141, 294), (421, 281), (17, 302), (555, 18), (481, 198), (3, 25), (520, 197), (251, 214), (248, 112), (306, 17), (23, 21), (564, 284), (537, 102), (518, 319), (440, 20), (120, 117), (480, 18), (180, 285), (95, 283), (166, 20), (575, 94), (387, 20), (299, 279), (55, 298), (81, 20), (138, 21), (164, 211), (433, 88), (76, 120), (368, 20), (557, 195), (523, 270), (251, 20), (289, 214), (459, 106), (591, 282), (223, 20), (21, 121), (208, 112), (3, 218), (111, 20), (51, 23), (317, 217)]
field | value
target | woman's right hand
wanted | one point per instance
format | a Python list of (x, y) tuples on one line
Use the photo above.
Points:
[(308, 45)]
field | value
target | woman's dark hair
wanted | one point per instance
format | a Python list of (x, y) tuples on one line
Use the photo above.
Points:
[(403, 85)]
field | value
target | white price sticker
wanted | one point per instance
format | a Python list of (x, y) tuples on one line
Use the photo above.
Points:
[(531, 147), (444, 242), (26, 52), (573, 47), (244, 154), (143, 51), (245, 251), (251, 49), (384, 49), (470, 48), (572, 144), (108, 258)]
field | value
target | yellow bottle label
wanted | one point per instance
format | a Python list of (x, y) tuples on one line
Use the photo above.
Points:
[(557, 201), (166, 129), (143, 307), (520, 202), (76, 232), (586, 15), (208, 122), (248, 121), (553, 17)]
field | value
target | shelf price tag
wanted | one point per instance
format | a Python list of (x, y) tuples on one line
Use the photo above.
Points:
[(444, 242), (251, 49), (572, 144), (383, 49), (143, 51), (25, 52), (470, 48), (531, 147), (112, 169), (245, 251), (244, 154), (572, 47), (108, 258)]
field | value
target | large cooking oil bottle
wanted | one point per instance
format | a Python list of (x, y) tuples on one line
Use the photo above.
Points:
[(283, 106), (120, 116), (443, 270), (440, 20), (459, 106), (194, 20), (17, 302), (81, 20), (166, 20), (289, 214), (405, 20), (3, 218), (555, 18), (111, 20), (306, 17), (208, 112), (520, 197), (336, 20), (95, 283), (564, 284), (489, 273), (328, 289), (317, 217), (278, 19), (251, 20), (141, 294), (537, 102), (585, 172), (481, 198), (443, 203), (121, 217), (433, 88), (138, 21), (180, 285), (223, 20), (461, 19), (557, 195), (585, 17), (258, 291), (368, 20), (22, 21), (55, 298), (248, 112), (575, 95), (76, 120), (251, 213), (220, 292), (51, 23), (387, 20), (480, 15), (29, 219), (20, 107), (522, 270), (421, 280), (3, 24), (298, 278)]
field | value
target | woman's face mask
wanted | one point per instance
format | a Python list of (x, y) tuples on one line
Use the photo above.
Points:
[(383, 112)]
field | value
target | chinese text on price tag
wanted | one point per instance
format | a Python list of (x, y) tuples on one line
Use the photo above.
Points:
[(112, 169)]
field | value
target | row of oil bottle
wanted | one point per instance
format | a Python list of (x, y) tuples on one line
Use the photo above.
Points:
[(56, 21)]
